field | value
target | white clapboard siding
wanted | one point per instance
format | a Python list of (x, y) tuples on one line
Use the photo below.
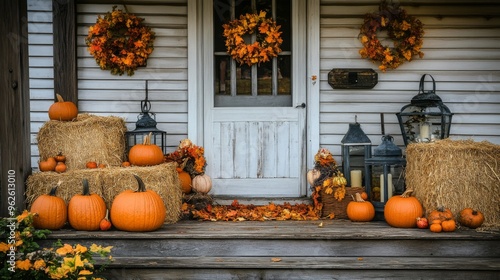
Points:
[(462, 53), (41, 73), (101, 93)]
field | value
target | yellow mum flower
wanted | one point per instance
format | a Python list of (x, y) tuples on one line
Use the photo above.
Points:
[(39, 264), (64, 250), (79, 249), (85, 272), (23, 216), (23, 264), (4, 247)]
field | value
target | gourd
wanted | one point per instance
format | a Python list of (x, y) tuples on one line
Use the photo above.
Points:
[(402, 211), (146, 153), (141, 210), (86, 210), (62, 110), (470, 218), (312, 176), (51, 210), (202, 183), (360, 210), (185, 180), (105, 224)]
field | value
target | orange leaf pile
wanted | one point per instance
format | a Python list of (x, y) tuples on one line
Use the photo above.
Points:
[(240, 212)]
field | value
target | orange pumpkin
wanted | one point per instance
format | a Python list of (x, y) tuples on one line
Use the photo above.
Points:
[(86, 210), (47, 165), (125, 164), (436, 227), (185, 180), (63, 110), (449, 225), (402, 211), (141, 210), (51, 210), (61, 167), (146, 153), (105, 224), (202, 183), (471, 218), (360, 210), (60, 157)]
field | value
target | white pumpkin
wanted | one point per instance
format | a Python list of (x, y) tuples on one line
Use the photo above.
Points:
[(312, 175), (185, 143), (202, 183)]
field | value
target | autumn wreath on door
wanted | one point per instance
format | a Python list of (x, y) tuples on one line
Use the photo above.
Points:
[(405, 31), (120, 42), (266, 45)]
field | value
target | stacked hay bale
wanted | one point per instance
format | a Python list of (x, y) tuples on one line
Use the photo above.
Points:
[(456, 175), (99, 139)]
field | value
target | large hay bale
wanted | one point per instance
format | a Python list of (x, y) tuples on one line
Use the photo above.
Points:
[(162, 179), (456, 174), (88, 138), (109, 182)]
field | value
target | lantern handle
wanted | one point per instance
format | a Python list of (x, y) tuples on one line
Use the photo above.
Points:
[(421, 89)]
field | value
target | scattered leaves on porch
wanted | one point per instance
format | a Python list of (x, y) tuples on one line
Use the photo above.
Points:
[(275, 259), (239, 212)]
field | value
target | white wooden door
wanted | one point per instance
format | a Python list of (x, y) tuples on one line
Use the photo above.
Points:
[(259, 151)]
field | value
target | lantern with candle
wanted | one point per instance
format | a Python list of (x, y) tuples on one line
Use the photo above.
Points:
[(387, 157), (426, 118), (356, 147)]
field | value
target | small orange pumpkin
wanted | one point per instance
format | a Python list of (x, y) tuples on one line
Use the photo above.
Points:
[(185, 180), (141, 210), (441, 213), (360, 210), (86, 210), (91, 164), (61, 167), (202, 184), (47, 165), (449, 225), (125, 164), (403, 210), (51, 210), (364, 195), (63, 110), (471, 218), (146, 153), (105, 224), (60, 157), (436, 227)]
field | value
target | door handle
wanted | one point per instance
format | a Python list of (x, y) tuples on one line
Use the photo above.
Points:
[(303, 105)]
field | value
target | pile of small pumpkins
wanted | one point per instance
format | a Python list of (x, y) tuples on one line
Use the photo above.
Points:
[(56, 163), (140, 210), (405, 211)]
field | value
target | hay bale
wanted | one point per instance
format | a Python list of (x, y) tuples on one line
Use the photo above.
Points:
[(109, 182), (162, 178), (71, 183), (456, 174), (88, 138)]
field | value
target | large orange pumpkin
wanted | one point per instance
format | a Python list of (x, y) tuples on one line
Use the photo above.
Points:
[(86, 210), (51, 210), (360, 210), (146, 153), (402, 211), (141, 210), (63, 110)]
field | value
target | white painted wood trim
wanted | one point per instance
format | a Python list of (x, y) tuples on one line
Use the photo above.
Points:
[(207, 58), (313, 88), (195, 91)]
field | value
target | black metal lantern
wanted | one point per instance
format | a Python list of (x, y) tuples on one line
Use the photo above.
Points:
[(386, 171), (356, 147), (426, 118), (146, 124)]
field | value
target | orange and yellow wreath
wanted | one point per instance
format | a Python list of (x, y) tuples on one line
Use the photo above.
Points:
[(404, 30), (267, 43), (120, 42)]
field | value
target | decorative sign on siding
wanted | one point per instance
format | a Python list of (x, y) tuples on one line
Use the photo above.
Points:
[(352, 78)]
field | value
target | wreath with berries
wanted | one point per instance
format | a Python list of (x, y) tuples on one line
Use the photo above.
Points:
[(120, 42), (404, 30), (267, 43)]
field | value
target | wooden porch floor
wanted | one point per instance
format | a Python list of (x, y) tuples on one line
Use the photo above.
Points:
[(337, 249)]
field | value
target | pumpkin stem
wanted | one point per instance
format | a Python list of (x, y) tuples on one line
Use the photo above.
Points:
[(59, 98), (86, 189), (147, 139), (107, 215), (358, 198), (407, 193), (53, 191), (142, 187)]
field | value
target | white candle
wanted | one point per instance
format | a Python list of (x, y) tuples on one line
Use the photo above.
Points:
[(425, 131), (389, 187), (356, 178)]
